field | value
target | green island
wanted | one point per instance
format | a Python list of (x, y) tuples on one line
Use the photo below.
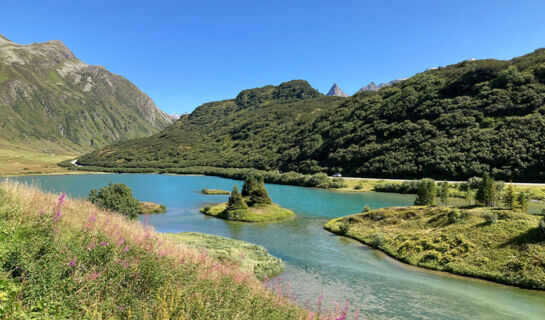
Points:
[(215, 192), (250, 257), (147, 207), (499, 244), (252, 205)]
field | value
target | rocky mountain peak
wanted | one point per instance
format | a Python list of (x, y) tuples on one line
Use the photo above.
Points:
[(336, 91)]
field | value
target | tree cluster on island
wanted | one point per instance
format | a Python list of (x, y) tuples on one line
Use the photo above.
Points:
[(254, 194)]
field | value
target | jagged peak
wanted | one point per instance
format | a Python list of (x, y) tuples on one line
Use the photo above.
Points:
[(336, 91)]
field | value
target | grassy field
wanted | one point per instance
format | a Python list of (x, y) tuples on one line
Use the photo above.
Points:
[(499, 245), (67, 259), (251, 257), (267, 213), (18, 162)]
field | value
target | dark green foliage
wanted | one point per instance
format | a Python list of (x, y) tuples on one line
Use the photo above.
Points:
[(236, 201), (426, 193), (250, 185), (259, 196), (541, 228), (443, 194), (377, 240), (486, 194), (117, 197), (455, 122)]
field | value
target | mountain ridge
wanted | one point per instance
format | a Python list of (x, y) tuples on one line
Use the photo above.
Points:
[(53, 102)]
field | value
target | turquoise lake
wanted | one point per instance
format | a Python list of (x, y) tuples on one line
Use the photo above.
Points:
[(317, 261)]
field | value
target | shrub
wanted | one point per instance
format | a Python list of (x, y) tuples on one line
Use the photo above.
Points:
[(426, 193), (541, 227), (455, 215), (377, 240), (358, 187), (366, 208), (490, 217), (344, 226), (116, 197)]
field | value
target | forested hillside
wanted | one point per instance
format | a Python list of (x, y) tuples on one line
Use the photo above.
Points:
[(452, 122)]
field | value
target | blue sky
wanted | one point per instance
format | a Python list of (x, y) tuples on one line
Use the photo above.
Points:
[(185, 53)]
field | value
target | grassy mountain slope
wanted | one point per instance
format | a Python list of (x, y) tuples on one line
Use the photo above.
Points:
[(67, 259), (452, 122), (51, 102)]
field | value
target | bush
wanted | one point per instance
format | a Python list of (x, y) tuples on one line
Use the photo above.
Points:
[(116, 197), (366, 208), (377, 240), (344, 227), (426, 193), (455, 215), (541, 227), (358, 187), (490, 217)]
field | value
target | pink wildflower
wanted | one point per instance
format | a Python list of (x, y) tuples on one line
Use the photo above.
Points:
[(42, 212), (120, 241), (61, 198), (126, 249), (57, 216), (73, 262), (103, 243)]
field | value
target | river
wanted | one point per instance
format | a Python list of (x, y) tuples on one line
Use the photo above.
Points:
[(318, 262)]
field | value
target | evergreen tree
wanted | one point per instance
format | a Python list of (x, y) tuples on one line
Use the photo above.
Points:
[(510, 197), (236, 201), (444, 192), (250, 184), (486, 194), (366, 208), (522, 199), (426, 193), (260, 196)]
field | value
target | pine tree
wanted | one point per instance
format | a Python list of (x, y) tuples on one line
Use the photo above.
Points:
[(236, 201), (250, 184), (522, 199), (444, 192), (486, 194), (260, 196), (366, 208), (510, 197), (426, 193)]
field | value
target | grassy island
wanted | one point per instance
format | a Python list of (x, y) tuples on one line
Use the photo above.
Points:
[(215, 192), (272, 212), (495, 244), (252, 205), (151, 208), (250, 257)]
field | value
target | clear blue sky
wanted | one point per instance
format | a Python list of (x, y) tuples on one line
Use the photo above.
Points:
[(185, 53)]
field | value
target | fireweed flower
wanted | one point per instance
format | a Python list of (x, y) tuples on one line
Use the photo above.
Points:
[(91, 245), (61, 198), (57, 216), (73, 262), (126, 249), (103, 243), (120, 241)]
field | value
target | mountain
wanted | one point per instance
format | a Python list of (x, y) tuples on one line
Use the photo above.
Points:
[(247, 131), (452, 122), (374, 87), (336, 91), (54, 103)]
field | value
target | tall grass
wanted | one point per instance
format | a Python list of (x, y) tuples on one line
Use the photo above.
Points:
[(67, 259)]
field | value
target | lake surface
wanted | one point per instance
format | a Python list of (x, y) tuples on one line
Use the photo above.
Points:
[(317, 261)]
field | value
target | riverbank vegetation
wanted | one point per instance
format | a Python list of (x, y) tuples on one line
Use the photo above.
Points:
[(118, 197), (250, 257), (68, 259), (252, 205), (215, 192), (501, 245)]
